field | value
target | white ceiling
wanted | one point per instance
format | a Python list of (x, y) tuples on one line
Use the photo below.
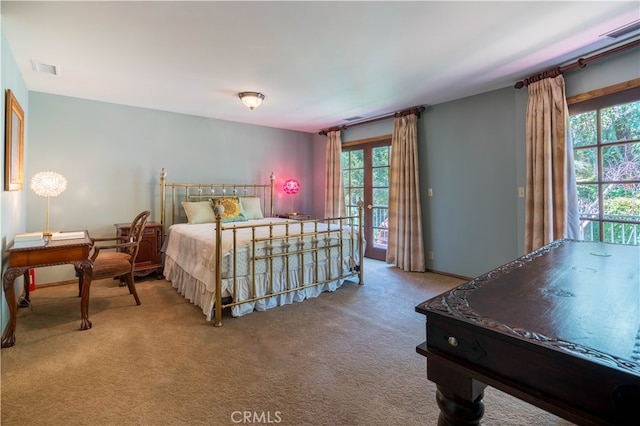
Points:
[(318, 63)]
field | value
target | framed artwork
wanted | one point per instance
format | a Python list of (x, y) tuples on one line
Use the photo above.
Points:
[(13, 144)]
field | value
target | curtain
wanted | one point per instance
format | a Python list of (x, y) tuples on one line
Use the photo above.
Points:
[(405, 247), (551, 196), (334, 191)]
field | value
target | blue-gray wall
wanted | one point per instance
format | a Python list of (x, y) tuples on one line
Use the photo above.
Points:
[(471, 154), (112, 155), (12, 203)]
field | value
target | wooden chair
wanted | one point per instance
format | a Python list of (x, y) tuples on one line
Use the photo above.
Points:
[(118, 264)]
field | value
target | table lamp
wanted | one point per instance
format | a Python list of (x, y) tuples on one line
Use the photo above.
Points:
[(48, 184), (291, 187)]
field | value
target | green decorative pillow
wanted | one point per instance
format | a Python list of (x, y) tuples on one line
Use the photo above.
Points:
[(251, 207), (198, 212), (232, 210)]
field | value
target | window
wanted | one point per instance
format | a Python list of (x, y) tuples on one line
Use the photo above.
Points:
[(605, 132), (365, 170)]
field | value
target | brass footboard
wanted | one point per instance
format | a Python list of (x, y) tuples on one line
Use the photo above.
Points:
[(291, 246)]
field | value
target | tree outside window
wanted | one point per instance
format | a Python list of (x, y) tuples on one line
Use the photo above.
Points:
[(606, 138)]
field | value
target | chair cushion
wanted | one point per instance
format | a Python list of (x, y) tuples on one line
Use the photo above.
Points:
[(111, 264)]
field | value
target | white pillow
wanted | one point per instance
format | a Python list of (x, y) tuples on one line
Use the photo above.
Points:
[(199, 212), (251, 206)]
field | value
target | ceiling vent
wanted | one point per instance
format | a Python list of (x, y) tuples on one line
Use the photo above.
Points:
[(623, 30), (45, 68), (355, 118)]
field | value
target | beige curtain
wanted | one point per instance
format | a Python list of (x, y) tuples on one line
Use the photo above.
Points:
[(405, 246), (334, 191), (551, 200)]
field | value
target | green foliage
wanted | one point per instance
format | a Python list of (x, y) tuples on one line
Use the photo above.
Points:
[(619, 157)]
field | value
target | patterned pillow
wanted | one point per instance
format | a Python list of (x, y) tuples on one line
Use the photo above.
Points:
[(198, 212), (232, 210)]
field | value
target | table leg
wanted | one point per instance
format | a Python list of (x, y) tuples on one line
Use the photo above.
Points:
[(85, 268), (459, 396), (9, 338), (26, 301), (456, 411)]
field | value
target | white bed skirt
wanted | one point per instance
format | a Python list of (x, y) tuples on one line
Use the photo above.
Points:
[(196, 291)]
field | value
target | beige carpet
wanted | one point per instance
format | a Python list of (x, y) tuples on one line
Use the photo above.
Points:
[(345, 358)]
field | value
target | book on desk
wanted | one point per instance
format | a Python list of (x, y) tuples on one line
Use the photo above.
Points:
[(73, 235), (29, 239)]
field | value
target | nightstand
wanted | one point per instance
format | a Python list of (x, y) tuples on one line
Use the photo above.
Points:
[(149, 257), (295, 216)]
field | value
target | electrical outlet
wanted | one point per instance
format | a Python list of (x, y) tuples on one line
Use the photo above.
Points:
[(430, 255), (521, 192), (430, 192)]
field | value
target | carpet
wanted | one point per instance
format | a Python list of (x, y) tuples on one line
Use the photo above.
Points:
[(344, 358)]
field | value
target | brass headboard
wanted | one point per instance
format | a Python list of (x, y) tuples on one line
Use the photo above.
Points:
[(205, 191)]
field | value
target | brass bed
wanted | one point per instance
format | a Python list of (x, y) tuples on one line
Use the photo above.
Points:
[(253, 262)]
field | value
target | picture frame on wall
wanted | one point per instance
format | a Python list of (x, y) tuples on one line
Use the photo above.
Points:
[(13, 144)]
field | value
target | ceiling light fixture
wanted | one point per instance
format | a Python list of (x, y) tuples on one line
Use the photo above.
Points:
[(251, 99)]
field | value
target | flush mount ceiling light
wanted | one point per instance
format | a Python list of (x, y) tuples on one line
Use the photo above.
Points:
[(251, 99)]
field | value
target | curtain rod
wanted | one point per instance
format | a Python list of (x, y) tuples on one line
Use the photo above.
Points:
[(415, 110), (581, 63)]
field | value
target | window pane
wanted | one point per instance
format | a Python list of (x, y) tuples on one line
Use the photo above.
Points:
[(356, 195), (583, 129), (620, 122), (589, 230), (621, 233), (356, 159), (344, 159), (357, 178), (352, 211), (621, 162), (381, 197), (588, 201), (586, 164), (622, 202), (381, 176), (380, 156), (380, 225)]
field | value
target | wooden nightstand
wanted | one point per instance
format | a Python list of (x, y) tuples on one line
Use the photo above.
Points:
[(149, 257), (295, 216)]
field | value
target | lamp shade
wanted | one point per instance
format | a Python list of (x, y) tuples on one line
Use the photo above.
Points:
[(48, 184), (291, 186), (251, 99)]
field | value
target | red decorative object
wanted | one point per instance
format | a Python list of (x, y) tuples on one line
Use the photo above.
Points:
[(291, 186)]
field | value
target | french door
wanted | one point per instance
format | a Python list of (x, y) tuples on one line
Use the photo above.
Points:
[(365, 173)]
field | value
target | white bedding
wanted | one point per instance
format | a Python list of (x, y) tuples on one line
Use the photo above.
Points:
[(190, 263)]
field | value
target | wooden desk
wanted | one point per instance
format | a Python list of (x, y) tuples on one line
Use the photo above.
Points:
[(558, 328), (53, 253)]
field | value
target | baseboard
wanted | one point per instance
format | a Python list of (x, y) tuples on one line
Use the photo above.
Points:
[(448, 274), (58, 283)]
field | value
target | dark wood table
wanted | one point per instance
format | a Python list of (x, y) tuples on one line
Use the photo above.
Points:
[(74, 251), (558, 328)]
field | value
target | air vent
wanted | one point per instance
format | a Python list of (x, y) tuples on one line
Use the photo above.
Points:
[(45, 68), (624, 30), (356, 118)]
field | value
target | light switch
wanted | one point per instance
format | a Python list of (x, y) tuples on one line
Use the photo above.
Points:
[(521, 192), (430, 192)]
